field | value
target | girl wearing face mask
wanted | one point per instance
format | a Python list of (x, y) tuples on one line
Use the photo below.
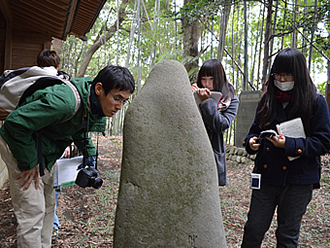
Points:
[(286, 185), (217, 116)]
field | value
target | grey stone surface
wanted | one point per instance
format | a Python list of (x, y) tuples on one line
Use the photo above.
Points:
[(168, 194), (245, 114)]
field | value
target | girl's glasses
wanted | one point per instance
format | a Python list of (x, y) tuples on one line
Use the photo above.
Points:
[(286, 76)]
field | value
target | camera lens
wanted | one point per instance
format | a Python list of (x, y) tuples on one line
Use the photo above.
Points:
[(97, 183)]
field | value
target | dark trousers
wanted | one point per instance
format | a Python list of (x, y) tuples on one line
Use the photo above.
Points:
[(291, 202)]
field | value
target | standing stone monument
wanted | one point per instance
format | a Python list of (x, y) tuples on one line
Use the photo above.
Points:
[(168, 196), (245, 114)]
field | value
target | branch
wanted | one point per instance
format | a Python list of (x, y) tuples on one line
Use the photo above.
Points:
[(239, 68), (313, 45), (299, 5), (145, 10), (100, 41), (102, 28), (279, 35)]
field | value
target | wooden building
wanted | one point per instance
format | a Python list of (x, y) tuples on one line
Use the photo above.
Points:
[(28, 26)]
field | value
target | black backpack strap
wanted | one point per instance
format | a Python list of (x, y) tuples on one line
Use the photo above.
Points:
[(63, 75), (41, 83), (41, 166), (44, 82)]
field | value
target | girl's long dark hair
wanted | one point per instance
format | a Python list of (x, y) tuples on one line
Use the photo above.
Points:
[(289, 60), (214, 68)]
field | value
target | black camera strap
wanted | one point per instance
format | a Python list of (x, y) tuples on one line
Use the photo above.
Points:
[(85, 127), (97, 151), (85, 124)]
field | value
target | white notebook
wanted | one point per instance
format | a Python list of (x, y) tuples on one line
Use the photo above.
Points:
[(215, 95), (293, 128), (66, 171)]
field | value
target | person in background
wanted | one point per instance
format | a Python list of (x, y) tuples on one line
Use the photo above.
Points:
[(51, 60), (286, 184), (69, 152), (48, 58), (56, 223), (217, 116), (51, 109)]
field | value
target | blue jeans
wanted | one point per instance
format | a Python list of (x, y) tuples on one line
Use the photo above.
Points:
[(56, 223), (291, 202)]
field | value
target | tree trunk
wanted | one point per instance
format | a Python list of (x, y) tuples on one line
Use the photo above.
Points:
[(294, 33), (100, 40), (260, 47), (57, 45), (267, 39), (191, 36), (246, 44), (223, 27), (273, 31), (237, 50), (312, 38), (304, 42), (283, 25), (327, 91), (132, 31), (233, 47), (256, 48)]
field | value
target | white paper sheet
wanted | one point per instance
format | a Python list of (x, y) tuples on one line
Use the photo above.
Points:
[(66, 171)]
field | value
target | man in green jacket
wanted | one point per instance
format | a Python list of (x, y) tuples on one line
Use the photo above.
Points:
[(53, 116)]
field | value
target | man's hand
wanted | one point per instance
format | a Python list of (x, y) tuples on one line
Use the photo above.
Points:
[(28, 176), (67, 152)]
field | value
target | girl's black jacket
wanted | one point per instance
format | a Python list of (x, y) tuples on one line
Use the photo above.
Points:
[(273, 163)]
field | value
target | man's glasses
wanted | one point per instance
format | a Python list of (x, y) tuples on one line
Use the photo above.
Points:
[(286, 76), (119, 100)]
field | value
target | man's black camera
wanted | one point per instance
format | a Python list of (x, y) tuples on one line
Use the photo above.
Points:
[(87, 177)]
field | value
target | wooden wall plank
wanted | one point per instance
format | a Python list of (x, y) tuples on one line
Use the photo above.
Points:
[(47, 8), (2, 48), (26, 47), (8, 46), (48, 17), (39, 14), (3, 168), (6, 10)]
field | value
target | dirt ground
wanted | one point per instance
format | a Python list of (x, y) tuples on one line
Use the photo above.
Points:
[(87, 215)]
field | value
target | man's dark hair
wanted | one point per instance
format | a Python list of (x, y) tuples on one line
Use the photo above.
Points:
[(48, 58), (115, 77)]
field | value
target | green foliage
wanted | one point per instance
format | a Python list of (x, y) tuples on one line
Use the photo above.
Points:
[(160, 36), (321, 88), (197, 9), (71, 55), (305, 23)]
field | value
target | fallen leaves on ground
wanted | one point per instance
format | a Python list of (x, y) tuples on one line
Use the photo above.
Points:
[(87, 215)]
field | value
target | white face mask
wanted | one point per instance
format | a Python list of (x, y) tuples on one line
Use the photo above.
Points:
[(284, 86)]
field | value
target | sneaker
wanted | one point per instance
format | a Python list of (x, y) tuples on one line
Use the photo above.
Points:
[(55, 233)]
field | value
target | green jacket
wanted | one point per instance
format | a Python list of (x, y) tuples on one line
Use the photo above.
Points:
[(47, 109)]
